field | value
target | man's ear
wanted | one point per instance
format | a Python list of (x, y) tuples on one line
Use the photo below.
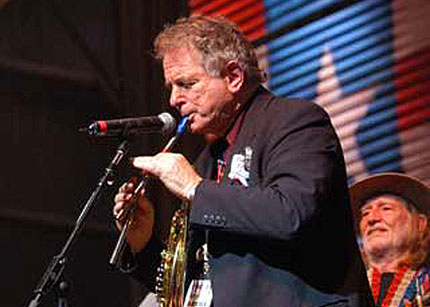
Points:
[(234, 76), (422, 222)]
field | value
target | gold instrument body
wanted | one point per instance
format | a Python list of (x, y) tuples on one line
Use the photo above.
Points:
[(170, 281)]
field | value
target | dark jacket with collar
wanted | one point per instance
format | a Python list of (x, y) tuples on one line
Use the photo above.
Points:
[(287, 238), (284, 236)]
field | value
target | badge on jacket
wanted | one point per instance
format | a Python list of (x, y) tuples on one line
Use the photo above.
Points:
[(240, 166)]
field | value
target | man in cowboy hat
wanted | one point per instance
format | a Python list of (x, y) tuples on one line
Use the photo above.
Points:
[(393, 213)]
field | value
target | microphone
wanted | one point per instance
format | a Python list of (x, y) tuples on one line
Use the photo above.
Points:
[(164, 123)]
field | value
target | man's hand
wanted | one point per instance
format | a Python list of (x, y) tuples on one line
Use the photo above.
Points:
[(142, 221), (173, 169)]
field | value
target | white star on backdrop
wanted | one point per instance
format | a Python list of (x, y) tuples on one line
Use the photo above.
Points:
[(345, 112)]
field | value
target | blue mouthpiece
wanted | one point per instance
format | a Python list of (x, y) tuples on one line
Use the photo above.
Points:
[(182, 127)]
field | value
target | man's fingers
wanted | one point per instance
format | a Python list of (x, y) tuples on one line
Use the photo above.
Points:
[(141, 162), (119, 215), (122, 200), (119, 206)]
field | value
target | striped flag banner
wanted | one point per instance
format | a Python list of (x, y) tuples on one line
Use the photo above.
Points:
[(367, 63)]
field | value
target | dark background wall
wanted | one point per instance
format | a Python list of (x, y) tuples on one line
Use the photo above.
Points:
[(63, 64)]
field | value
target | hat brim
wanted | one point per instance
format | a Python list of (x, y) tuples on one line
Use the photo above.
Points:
[(398, 184)]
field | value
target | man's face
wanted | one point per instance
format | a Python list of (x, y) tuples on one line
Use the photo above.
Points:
[(209, 101), (387, 226)]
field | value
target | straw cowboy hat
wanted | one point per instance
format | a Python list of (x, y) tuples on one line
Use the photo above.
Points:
[(398, 184)]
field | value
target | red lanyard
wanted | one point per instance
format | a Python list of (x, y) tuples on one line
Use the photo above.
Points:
[(231, 140)]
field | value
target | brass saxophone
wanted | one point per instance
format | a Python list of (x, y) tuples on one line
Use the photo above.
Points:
[(170, 280)]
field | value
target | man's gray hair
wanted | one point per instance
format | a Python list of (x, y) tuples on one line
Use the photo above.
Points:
[(217, 40)]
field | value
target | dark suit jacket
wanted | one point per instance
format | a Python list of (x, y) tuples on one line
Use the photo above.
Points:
[(287, 238)]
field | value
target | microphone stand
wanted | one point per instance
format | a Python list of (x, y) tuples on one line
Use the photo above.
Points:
[(55, 269), (62, 294)]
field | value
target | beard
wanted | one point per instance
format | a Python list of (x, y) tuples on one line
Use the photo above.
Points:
[(383, 248)]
